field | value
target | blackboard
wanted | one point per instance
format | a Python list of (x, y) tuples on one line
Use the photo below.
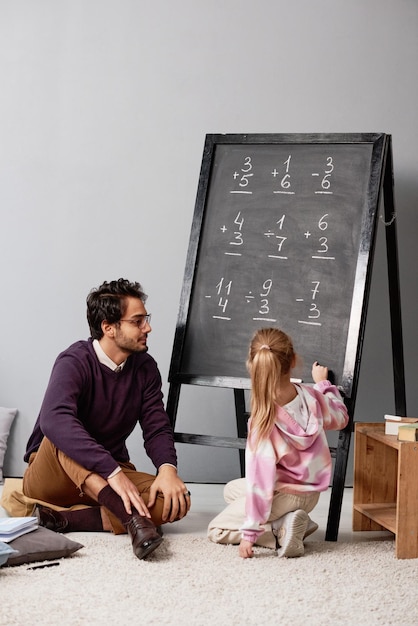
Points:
[(282, 235)]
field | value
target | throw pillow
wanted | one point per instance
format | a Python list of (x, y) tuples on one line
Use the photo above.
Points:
[(41, 545), (6, 419)]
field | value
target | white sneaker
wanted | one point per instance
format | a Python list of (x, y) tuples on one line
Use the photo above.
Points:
[(311, 528), (291, 533)]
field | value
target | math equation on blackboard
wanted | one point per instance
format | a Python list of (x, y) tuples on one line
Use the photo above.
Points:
[(280, 238), (282, 235)]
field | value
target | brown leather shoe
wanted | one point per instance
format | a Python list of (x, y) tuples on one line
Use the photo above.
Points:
[(52, 520), (144, 535)]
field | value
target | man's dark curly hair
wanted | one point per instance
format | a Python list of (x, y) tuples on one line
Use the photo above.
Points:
[(108, 302)]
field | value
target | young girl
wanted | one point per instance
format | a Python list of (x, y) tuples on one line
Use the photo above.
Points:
[(288, 462)]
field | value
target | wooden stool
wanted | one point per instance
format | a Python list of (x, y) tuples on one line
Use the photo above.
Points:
[(385, 493)]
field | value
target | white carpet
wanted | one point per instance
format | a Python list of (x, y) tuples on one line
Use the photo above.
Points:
[(189, 580)]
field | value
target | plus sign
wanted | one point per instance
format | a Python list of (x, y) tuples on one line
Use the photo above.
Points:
[(307, 234), (223, 228), (275, 173), (236, 175)]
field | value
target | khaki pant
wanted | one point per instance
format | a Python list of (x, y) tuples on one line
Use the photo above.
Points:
[(53, 478), (225, 527)]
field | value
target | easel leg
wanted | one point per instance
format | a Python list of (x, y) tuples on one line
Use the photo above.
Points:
[(337, 491), (173, 403), (241, 417), (394, 287)]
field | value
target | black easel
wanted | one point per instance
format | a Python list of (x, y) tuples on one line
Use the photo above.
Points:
[(215, 355)]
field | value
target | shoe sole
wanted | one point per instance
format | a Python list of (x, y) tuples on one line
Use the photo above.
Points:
[(294, 547), (142, 553), (292, 550)]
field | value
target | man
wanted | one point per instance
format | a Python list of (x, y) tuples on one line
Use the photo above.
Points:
[(77, 452)]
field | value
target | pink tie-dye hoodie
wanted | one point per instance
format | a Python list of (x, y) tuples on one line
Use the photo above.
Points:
[(292, 460)]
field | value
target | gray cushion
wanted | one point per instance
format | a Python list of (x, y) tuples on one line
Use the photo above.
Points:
[(42, 545)]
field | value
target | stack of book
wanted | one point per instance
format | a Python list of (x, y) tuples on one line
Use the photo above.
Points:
[(393, 422), (13, 527), (408, 432)]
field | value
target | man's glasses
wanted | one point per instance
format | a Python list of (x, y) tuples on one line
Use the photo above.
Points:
[(140, 321)]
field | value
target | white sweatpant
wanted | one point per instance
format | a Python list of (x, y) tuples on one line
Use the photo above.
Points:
[(224, 528)]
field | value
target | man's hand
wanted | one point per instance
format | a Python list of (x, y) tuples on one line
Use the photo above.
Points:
[(319, 372), (129, 494), (175, 492), (246, 549)]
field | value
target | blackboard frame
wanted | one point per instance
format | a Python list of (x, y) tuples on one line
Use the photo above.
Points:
[(379, 143), (381, 179)]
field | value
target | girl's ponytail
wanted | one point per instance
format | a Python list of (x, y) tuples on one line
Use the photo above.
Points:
[(270, 355)]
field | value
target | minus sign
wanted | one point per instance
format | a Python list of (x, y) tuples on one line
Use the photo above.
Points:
[(297, 299), (208, 296), (264, 319), (315, 174)]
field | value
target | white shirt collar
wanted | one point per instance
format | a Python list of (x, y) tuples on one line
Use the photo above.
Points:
[(103, 358)]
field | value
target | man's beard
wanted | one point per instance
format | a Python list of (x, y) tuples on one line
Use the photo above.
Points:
[(129, 345)]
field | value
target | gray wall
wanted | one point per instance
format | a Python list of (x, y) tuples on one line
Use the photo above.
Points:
[(103, 112)]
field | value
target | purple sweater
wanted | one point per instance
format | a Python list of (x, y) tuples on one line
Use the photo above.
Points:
[(89, 411)]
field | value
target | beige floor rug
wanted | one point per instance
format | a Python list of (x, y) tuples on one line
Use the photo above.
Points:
[(189, 580)]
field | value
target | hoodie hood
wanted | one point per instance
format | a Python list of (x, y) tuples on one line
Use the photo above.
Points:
[(291, 430)]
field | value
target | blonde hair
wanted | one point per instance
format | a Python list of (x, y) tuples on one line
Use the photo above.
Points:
[(270, 356)]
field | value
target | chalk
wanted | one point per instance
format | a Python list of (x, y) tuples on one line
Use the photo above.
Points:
[(296, 380)]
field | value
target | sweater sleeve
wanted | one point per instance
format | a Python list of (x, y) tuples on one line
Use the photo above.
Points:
[(334, 412), (59, 420), (155, 423), (260, 481)]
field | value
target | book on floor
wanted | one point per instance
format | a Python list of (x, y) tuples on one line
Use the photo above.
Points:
[(13, 527), (392, 423), (408, 432)]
